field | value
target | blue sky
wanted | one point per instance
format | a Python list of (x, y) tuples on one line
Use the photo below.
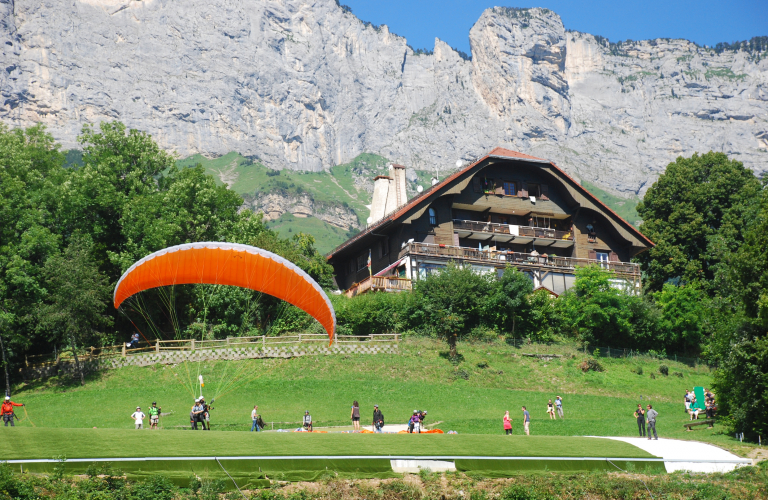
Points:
[(706, 22)]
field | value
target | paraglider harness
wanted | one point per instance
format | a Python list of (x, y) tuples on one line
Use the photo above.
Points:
[(260, 422), (205, 417)]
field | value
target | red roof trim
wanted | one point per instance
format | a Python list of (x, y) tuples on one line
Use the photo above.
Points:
[(496, 152)]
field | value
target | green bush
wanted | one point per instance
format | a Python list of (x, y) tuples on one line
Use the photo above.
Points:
[(664, 370)]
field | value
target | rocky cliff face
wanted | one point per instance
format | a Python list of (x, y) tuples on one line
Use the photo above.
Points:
[(306, 85)]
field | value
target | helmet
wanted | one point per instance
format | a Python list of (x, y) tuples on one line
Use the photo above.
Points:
[(154, 402), (7, 398)]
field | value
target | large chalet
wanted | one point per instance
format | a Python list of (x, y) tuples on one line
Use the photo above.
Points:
[(505, 209)]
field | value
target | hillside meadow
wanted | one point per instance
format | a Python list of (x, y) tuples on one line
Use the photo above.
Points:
[(469, 397)]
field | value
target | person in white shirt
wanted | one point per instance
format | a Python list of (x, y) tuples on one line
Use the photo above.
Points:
[(307, 421), (138, 418)]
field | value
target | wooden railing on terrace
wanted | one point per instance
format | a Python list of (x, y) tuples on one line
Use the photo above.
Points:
[(528, 231), (379, 283), (255, 342), (517, 258)]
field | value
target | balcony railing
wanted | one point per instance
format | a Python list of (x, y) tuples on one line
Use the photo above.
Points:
[(517, 258), (528, 231), (379, 283)]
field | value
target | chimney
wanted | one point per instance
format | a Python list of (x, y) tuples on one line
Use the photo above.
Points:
[(397, 172), (381, 185)]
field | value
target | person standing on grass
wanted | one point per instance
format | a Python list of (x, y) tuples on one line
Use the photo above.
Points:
[(378, 419), (551, 410), (507, 424), (255, 418), (154, 415), (308, 421), (559, 406), (640, 416), (355, 416), (138, 418), (650, 416), (6, 410), (194, 415), (526, 421)]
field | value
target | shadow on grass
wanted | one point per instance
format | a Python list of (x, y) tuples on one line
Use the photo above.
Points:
[(454, 360), (62, 381)]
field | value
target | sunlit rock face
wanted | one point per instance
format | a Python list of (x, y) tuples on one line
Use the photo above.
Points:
[(306, 85)]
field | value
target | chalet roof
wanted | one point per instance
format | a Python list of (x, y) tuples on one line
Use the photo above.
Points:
[(494, 153)]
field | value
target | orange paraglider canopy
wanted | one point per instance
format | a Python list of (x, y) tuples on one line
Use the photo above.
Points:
[(229, 264)]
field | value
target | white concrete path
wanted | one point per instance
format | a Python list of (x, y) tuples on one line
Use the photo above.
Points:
[(706, 457)]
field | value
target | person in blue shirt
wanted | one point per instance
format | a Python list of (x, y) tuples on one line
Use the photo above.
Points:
[(526, 421)]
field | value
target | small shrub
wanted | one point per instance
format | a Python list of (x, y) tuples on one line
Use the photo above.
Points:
[(678, 374), (425, 474), (483, 364), (592, 365), (664, 370), (462, 374), (653, 376), (639, 370)]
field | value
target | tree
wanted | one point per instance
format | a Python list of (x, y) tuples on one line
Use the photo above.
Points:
[(508, 303), (594, 311), (695, 213), (78, 294)]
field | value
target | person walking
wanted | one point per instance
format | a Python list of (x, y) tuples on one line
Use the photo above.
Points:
[(255, 418), (355, 416), (650, 416), (551, 410), (6, 410), (559, 406), (526, 421), (154, 415), (378, 419), (640, 416), (507, 424), (138, 418)]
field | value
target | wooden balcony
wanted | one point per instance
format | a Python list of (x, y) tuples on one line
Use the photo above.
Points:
[(518, 259), (507, 233), (379, 284)]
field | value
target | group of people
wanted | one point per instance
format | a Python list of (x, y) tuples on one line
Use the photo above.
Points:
[(200, 414), (6, 410), (154, 416), (646, 417), (557, 406), (416, 422), (710, 407)]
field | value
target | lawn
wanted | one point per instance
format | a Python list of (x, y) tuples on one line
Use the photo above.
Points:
[(469, 398), (111, 443)]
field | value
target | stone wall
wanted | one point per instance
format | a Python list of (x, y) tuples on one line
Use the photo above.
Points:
[(174, 357)]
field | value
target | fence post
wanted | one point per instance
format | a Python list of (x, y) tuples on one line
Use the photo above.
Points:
[(227, 340), (264, 346), (157, 345), (299, 339), (123, 345), (193, 344)]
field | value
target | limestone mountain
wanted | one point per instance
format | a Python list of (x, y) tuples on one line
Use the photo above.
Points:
[(307, 86)]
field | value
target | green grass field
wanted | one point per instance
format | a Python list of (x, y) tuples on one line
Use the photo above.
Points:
[(112, 443), (465, 398)]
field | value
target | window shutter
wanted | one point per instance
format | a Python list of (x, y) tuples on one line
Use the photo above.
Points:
[(544, 192), (523, 190), (500, 187), (477, 185), (592, 255), (613, 257), (456, 239)]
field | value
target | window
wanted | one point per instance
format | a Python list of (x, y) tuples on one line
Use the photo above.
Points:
[(510, 188), (384, 249), (362, 261), (351, 266), (489, 186), (602, 258), (432, 217), (534, 190)]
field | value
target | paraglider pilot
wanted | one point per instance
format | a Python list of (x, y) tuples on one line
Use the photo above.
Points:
[(6, 410)]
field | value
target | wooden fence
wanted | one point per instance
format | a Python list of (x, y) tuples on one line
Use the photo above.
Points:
[(254, 342)]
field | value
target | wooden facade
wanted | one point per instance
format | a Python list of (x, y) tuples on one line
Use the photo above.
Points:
[(505, 209)]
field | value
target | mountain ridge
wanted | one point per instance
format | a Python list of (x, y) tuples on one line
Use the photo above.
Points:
[(309, 86)]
